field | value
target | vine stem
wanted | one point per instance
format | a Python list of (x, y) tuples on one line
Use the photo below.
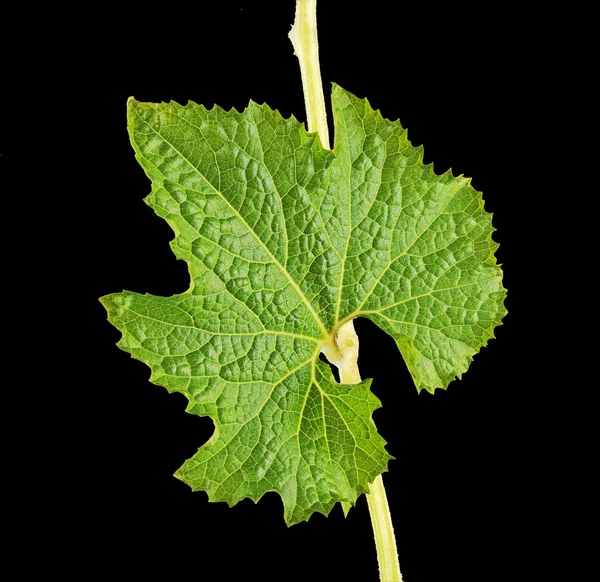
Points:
[(306, 47), (345, 352), (381, 519)]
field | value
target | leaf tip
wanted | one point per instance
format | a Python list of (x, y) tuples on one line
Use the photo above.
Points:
[(132, 104), (108, 301)]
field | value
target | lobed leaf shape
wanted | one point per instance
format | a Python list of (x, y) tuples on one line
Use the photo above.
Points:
[(286, 241)]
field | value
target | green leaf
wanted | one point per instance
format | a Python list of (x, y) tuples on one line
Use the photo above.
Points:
[(285, 242)]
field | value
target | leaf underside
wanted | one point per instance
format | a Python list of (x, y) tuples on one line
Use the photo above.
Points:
[(286, 241)]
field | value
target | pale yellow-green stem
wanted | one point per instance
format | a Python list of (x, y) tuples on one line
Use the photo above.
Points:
[(306, 47), (385, 541), (343, 350), (344, 354)]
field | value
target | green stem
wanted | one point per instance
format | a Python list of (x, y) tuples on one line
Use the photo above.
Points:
[(344, 350), (306, 47), (381, 519), (385, 541)]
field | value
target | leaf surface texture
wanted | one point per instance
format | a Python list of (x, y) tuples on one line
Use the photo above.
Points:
[(286, 241)]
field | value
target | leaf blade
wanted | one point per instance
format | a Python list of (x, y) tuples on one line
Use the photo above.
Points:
[(285, 241)]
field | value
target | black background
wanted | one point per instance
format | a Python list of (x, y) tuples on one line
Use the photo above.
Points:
[(460, 455)]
